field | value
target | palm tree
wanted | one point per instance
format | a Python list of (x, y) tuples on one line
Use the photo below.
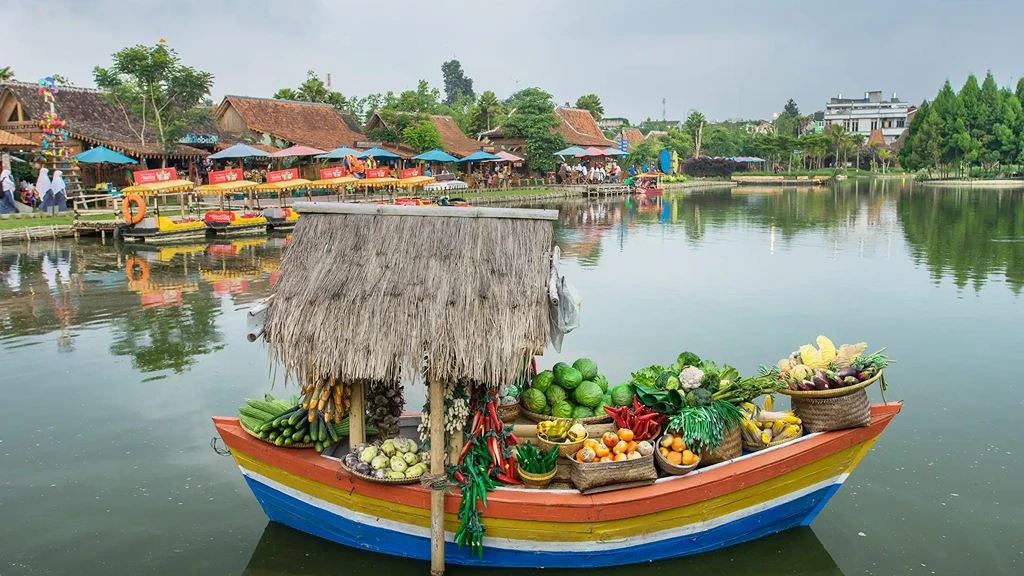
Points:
[(858, 141), (883, 156), (286, 94), (6, 74), (836, 138)]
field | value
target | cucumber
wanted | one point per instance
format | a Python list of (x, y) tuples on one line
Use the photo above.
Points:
[(289, 442), (288, 432), (250, 424), (254, 413), (319, 447), (268, 397), (298, 435), (264, 435), (279, 441), (306, 439), (322, 431), (314, 428), (297, 417), (332, 434), (269, 407), (273, 435)]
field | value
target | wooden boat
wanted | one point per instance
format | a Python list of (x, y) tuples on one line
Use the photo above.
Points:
[(158, 229), (654, 186), (284, 182), (752, 496)]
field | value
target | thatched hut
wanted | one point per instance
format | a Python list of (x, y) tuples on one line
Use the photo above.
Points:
[(367, 291), (371, 291)]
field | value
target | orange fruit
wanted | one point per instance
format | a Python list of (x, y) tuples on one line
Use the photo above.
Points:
[(610, 439), (619, 457), (602, 450), (620, 447), (689, 458), (579, 455), (606, 459), (663, 451), (633, 456), (675, 458), (677, 444), (630, 446), (591, 443), (625, 434), (666, 440)]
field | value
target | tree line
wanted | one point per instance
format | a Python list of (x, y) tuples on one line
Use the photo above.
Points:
[(977, 126)]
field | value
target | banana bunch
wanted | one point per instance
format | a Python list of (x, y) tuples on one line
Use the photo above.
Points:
[(560, 430), (327, 396), (761, 427)]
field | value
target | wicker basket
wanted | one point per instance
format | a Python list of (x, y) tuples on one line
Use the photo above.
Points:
[(295, 445), (731, 447), (508, 413), (585, 421), (834, 392), (673, 469), (380, 480), (564, 448), (537, 480), (587, 476), (758, 447), (835, 413)]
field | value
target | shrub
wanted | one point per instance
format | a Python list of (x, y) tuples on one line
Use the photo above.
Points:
[(705, 167)]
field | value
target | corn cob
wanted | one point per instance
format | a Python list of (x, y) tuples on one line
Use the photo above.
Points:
[(778, 427), (766, 436), (768, 403)]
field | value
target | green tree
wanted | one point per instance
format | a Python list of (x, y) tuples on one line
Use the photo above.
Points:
[(927, 151), (153, 86), (532, 118), (456, 84), (487, 113), (592, 104), (423, 99), (883, 156), (423, 136), (906, 154), (694, 126), (644, 152), (678, 142), (6, 74), (791, 109), (286, 94), (1020, 90), (837, 136)]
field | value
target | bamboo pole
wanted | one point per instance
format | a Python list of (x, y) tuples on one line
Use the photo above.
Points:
[(357, 412), (437, 446)]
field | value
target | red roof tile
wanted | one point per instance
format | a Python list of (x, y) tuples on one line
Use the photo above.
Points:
[(631, 135), (8, 140), (576, 126), (455, 140), (306, 123)]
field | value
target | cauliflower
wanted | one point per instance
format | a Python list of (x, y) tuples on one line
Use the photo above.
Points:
[(690, 378)]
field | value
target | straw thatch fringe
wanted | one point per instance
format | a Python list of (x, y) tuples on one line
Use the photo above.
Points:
[(364, 297)]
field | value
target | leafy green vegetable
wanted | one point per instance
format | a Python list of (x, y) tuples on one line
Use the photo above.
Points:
[(556, 394), (704, 427), (586, 367), (582, 412), (686, 359), (602, 382), (588, 394), (543, 380), (647, 376), (622, 395), (534, 400)]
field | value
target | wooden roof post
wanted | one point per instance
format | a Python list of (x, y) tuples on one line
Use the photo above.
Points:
[(437, 449), (356, 416)]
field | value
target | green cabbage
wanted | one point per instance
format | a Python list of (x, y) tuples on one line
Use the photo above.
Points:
[(586, 367), (556, 394), (582, 412), (562, 410), (588, 394), (622, 395), (534, 400), (568, 377), (601, 381), (543, 380), (606, 400)]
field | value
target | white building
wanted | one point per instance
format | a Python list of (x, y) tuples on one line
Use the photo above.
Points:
[(863, 115)]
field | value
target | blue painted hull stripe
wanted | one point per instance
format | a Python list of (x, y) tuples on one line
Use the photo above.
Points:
[(285, 509)]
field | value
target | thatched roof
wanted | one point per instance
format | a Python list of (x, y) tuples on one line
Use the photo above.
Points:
[(305, 123), (367, 291)]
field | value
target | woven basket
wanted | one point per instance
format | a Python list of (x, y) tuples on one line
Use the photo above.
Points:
[(508, 413), (673, 469), (731, 447), (834, 392), (542, 417), (295, 445), (564, 448), (380, 480), (837, 413), (589, 475), (537, 480), (758, 447)]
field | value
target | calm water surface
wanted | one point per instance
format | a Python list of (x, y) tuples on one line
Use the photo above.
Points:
[(107, 384)]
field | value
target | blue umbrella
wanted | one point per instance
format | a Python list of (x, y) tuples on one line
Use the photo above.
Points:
[(377, 153), (436, 155), (571, 151), (339, 153), (480, 156), (239, 151), (103, 155)]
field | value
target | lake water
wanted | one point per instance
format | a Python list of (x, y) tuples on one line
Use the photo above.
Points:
[(107, 384)]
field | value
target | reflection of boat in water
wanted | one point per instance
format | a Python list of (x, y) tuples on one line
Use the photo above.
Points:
[(282, 551)]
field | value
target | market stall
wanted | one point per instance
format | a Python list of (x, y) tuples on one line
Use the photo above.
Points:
[(516, 465)]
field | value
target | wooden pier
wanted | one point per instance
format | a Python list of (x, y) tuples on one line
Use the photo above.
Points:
[(782, 180)]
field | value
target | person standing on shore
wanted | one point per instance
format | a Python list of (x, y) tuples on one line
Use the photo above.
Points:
[(60, 193), (7, 205), (43, 189)]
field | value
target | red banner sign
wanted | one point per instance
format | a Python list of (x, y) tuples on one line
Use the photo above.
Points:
[(282, 176), (376, 172), (329, 173), (224, 176), (155, 176), (410, 172)]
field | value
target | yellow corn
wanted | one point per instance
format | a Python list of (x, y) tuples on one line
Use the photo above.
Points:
[(766, 436), (312, 415), (768, 403), (778, 427), (791, 420), (749, 407)]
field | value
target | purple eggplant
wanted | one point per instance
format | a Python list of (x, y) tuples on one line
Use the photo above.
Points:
[(806, 386), (846, 372), (850, 381), (820, 380)]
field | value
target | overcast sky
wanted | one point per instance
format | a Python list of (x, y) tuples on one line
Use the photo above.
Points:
[(725, 58)]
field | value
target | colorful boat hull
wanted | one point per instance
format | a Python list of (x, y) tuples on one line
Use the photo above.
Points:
[(747, 498)]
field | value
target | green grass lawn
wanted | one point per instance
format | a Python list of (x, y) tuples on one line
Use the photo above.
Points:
[(11, 222)]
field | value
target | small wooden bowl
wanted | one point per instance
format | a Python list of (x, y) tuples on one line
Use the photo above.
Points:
[(508, 413), (537, 481), (564, 448), (670, 468)]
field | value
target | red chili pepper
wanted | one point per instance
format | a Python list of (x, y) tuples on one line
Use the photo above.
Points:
[(465, 450), (507, 480), (459, 477), (647, 417), (636, 403), (533, 364), (495, 450), (494, 415), (512, 439)]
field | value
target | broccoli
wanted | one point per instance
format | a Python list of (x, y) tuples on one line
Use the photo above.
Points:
[(701, 397), (661, 383)]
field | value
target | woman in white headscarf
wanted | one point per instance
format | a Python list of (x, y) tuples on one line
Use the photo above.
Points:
[(43, 189), (60, 193), (7, 205)]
